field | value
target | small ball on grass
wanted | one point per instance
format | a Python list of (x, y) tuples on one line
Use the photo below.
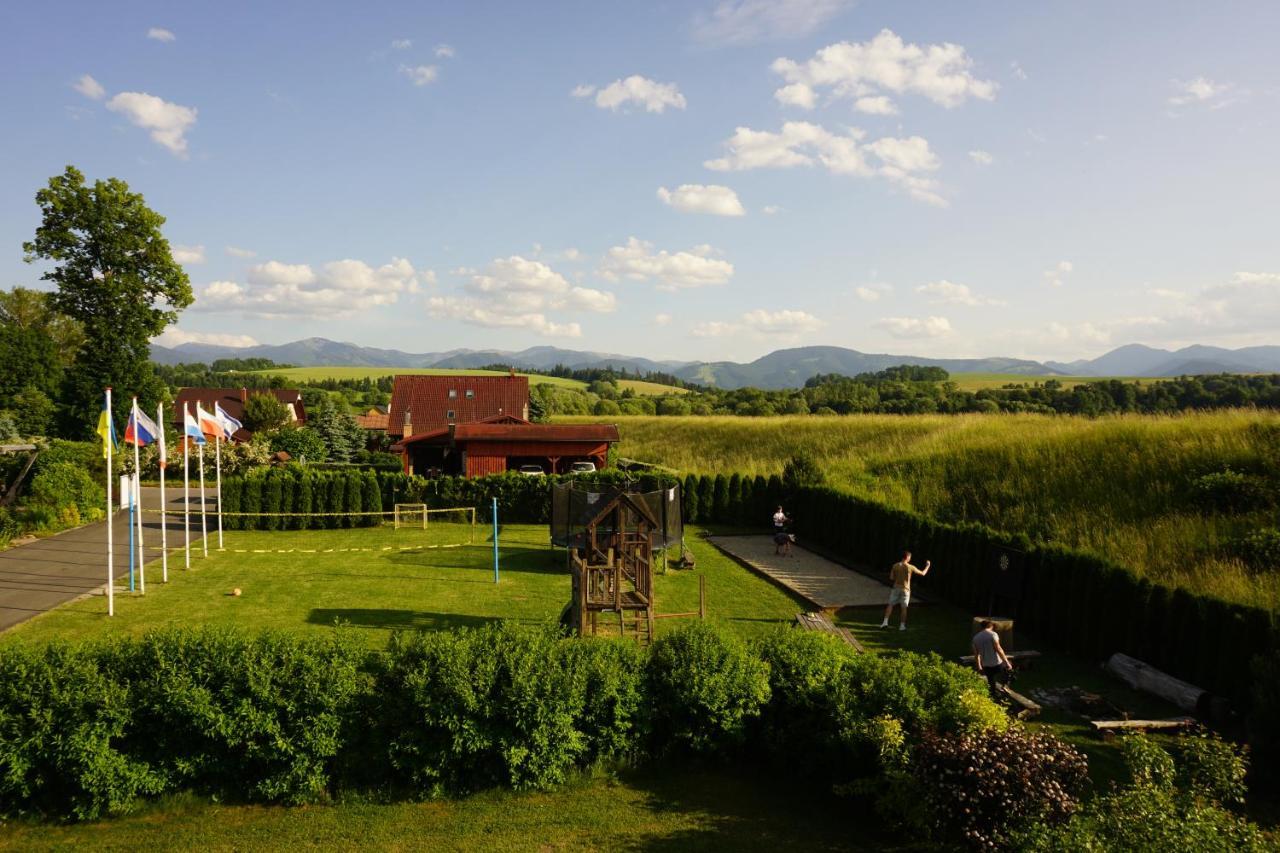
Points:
[(236, 592)]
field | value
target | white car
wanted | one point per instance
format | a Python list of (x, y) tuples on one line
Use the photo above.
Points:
[(531, 470), (582, 468)]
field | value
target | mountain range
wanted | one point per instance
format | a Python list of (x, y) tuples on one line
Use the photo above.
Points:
[(786, 368)]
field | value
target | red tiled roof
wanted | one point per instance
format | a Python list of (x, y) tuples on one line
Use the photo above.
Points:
[(536, 432), (427, 400), (372, 420), (232, 402)]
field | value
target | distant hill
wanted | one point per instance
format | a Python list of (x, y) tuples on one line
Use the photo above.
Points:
[(1139, 360), (786, 368)]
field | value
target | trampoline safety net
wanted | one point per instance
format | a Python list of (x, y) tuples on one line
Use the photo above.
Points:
[(573, 507)]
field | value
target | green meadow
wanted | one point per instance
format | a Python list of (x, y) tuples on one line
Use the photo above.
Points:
[(1117, 486), (318, 374)]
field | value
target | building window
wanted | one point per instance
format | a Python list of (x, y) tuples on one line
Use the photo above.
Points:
[(449, 415), (453, 393), (470, 394)]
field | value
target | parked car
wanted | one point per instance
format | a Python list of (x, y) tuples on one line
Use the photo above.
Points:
[(582, 468), (531, 470)]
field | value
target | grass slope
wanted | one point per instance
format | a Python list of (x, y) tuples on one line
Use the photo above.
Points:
[(310, 588), (315, 374), (1116, 486), (979, 381)]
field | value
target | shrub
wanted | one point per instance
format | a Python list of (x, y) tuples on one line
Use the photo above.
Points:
[(802, 471), (704, 688), (301, 443), (62, 720), (65, 484), (1212, 768), (1260, 549), (475, 708), (1231, 491), (689, 494), (608, 675), (983, 789), (256, 716)]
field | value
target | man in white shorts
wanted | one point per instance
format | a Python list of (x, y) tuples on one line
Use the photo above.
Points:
[(900, 576)]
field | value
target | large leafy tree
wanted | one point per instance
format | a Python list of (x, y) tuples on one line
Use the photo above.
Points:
[(37, 343), (115, 274)]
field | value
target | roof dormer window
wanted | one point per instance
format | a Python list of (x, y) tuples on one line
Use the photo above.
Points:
[(471, 394), (449, 415), (453, 393)]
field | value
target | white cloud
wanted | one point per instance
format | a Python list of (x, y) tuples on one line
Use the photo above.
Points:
[(336, 289), (804, 144), (770, 210), (1201, 90), (445, 51), (745, 21), (1015, 68), (945, 292), (873, 291), (160, 34), (940, 72), (670, 270), (90, 88), (762, 323), (173, 336), (188, 254), (519, 293), (699, 198), (237, 252), (876, 105), (662, 319), (421, 75), (1057, 274), (915, 327), (401, 44), (982, 158), (167, 122), (796, 95), (641, 91)]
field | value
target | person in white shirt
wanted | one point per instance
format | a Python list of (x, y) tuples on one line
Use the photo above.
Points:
[(779, 520), (989, 656)]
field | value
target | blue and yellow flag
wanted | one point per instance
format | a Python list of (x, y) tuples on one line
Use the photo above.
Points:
[(106, 429)]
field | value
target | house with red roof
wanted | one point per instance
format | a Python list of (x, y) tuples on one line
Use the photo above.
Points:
[(475, 425), (233, 401)]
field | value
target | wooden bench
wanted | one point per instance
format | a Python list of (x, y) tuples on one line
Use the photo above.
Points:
[(1023, 658), (818, 621), (1108, 728)]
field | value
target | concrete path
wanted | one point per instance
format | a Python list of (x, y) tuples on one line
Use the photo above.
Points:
[(825, 584), (41, 575)]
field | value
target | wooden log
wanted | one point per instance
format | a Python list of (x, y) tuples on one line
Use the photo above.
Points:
[(1021, 657), (818, 621), (1112, 726), (1024, 707), (1148, 679)]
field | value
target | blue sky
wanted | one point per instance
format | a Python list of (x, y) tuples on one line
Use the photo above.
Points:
[(700, 180)]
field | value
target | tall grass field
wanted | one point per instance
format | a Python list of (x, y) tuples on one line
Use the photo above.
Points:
[(1118, 486), (316, 374)]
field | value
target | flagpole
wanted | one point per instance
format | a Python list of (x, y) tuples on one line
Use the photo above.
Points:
[(111, 556), (164, 518), (217, 450), (137, 498), (186, 488), (204, 529)]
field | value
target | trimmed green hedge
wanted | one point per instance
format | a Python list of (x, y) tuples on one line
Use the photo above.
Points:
[(87, 730)]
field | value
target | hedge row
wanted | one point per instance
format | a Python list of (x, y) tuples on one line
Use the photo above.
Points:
[(1080, 602), (276, 718), (293, 498)]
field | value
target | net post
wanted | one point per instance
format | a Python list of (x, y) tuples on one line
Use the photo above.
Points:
[(495, 540), (702, 596)]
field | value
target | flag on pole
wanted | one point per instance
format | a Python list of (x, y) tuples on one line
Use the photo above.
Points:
[(229, 424), (190, 428), (141, 430), (107, 430), (209, 424), (164, 519)]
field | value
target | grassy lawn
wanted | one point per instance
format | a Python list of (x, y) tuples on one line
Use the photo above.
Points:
[(674, 810), (320, 373), (650, 389), (310, 580)]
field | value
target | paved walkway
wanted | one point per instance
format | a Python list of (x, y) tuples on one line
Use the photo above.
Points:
[(41, 575), (825, 584)]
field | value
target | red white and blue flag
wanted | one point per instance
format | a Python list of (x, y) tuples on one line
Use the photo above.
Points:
[(140, 430), (208, 423)]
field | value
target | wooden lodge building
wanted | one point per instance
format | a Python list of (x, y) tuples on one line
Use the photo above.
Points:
[(477, 425), (233, 401)]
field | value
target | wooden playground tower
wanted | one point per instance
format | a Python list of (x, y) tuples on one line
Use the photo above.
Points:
[(613, 571)]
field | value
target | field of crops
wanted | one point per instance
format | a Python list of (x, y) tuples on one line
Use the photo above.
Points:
[(1118, 486), (648, 389)]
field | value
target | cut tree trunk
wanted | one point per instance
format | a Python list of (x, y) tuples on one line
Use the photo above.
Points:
[(1148, 679)]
